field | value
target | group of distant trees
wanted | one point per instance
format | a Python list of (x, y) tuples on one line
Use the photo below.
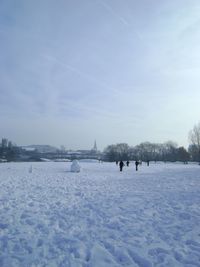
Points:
[(194, 138), (8, 150), (168, 151)]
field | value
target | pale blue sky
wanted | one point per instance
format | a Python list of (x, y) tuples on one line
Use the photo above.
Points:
[(72, 71)]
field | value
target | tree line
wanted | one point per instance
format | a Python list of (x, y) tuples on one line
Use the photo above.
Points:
[(145, 151), (8, 150), (168, 151)]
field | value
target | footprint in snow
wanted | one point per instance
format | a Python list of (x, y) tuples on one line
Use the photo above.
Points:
[(141, 261), (184, 216)]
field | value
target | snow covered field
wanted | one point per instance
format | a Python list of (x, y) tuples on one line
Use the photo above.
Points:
[(99, 217)]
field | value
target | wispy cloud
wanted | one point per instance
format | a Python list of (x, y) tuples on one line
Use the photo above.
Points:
[(81, 73), (113, 12), (121, 18)]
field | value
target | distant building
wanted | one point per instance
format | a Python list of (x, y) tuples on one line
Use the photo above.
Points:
[(94, 149), (41, 152), (41, 148), (4, 142)]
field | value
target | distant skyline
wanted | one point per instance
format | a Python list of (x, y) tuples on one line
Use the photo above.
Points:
[(72, 72)]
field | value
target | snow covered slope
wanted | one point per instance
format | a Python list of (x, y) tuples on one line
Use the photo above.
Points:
[(99, 217)]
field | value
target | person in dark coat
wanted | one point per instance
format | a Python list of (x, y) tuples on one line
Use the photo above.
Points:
[(136, 165), (147, 162), (121, 165), (116, 162), (127, 163)]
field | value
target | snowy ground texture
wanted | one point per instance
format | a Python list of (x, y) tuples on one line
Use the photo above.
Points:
[(99, 217)]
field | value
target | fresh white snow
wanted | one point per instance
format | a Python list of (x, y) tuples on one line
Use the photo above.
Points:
[(99, 217)]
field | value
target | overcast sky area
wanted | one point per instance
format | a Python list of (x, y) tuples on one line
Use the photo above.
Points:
[(72, 71)]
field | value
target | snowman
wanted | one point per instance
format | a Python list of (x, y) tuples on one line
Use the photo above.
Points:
[(75, 167)]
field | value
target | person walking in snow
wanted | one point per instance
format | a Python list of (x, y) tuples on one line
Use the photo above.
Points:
[(136, 165), (127, 163), (121, 165)]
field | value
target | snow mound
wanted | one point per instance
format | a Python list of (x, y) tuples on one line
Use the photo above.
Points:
[(75, 167)]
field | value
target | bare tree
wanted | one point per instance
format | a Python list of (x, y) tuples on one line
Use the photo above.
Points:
[(194, 138), (117, 152), (183, 155)]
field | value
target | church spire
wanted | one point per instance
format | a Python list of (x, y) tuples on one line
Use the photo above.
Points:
[(95, 146)]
